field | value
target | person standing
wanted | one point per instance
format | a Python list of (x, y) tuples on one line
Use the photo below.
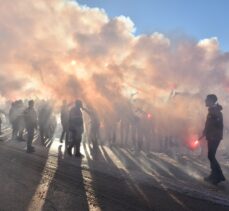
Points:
[(213, 132), (75, 129), (13, 118), (64, 118), (94, 131), (31, 121)]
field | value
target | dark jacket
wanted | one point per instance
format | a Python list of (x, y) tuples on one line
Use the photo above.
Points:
[(76, 120), (214, 124), (64, 116), (30, 116)]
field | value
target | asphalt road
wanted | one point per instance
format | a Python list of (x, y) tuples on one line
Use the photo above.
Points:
[(50, 180)]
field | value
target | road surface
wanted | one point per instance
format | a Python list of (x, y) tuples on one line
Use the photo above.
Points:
[(113, 179)]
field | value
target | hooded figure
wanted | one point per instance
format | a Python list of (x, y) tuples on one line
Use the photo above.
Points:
[(213, 132)]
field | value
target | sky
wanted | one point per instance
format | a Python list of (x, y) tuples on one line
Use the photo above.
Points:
[(198, 19)]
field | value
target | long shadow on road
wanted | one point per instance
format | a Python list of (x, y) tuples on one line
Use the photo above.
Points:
[(113, 192), (66, 190), (20, 175)]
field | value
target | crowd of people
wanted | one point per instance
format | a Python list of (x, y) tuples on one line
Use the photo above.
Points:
[(142, 132), (134, 128), (26, 118), (131, 128)]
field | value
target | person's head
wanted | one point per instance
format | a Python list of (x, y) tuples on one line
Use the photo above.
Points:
[(78, 104), (20, 101), (210, 100), (31, 103)]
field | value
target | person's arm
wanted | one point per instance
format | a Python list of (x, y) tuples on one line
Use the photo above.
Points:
[(201, 137)]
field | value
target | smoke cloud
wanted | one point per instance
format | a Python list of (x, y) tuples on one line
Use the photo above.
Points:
[(62, 50)]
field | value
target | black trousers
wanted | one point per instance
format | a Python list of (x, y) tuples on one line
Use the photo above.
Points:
[(30, 134), (216, 171), (75, 141), (64, 133)]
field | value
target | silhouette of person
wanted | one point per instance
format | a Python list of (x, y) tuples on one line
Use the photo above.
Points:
[(75, 129), (213, 132), (31, 121), (12, 117), (20, 120), (44, 117), (64, 118), (94, 132)]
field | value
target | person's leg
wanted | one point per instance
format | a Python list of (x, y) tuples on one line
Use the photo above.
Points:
[(78, 143), (15, 130), (69, 149), (62, 135), (30, 134), (42, 134), (77, 147), (216, 172), (72, 142), (66, 139), (67, 136), (20, 136)]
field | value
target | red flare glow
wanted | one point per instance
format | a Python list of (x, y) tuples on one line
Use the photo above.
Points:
[(193, 142), (149, 116)]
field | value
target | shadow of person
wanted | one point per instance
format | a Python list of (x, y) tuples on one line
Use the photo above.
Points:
[(66, 190), (22, 171)]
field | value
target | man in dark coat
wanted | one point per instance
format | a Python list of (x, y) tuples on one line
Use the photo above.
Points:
[(213, 132)]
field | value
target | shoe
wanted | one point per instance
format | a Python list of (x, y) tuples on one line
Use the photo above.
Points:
[(216, 181), (222, 178)]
